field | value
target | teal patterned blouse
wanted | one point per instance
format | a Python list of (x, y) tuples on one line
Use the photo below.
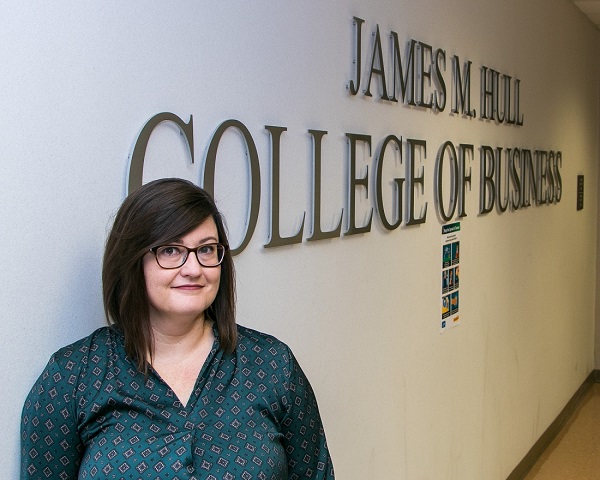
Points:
[(252, 415)]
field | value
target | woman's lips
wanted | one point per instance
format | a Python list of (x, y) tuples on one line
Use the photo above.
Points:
[(189, 287)]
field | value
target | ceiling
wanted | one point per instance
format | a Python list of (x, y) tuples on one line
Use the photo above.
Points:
[(591, 8)]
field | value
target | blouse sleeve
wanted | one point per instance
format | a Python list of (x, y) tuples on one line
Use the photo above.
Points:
[(303, 434), (50, 444)]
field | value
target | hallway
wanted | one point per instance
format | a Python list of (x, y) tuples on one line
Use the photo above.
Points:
[(575, 452)]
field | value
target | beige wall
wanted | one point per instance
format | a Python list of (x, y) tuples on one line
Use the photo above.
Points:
[(399, 400)]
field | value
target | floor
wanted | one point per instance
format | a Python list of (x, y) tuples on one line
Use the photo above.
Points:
[(575, 452)]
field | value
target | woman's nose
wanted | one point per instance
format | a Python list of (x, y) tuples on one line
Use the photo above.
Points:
[(191, 266)]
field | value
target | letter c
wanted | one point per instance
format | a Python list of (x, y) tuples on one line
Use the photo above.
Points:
[(136, 165)]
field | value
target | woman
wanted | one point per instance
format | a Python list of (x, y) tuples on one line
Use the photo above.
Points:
[(172, 388)]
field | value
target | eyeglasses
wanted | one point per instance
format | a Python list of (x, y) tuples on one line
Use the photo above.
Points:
[(174, 256)]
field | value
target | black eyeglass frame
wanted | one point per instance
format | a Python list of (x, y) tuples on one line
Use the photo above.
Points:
[(187, 254)]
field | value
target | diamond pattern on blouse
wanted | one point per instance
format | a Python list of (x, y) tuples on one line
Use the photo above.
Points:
[(252, 415)]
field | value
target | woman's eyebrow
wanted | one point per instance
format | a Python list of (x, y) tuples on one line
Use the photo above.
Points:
[(209, 239)]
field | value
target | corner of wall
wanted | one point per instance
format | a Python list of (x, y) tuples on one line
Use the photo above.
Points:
[(597, 306)]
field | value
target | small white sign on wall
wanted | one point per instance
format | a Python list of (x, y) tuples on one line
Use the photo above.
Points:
[(450, 276)]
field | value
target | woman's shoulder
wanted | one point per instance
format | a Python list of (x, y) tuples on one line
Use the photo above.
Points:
[(68, 365), (260, 344), (97, 343), (253, 337)]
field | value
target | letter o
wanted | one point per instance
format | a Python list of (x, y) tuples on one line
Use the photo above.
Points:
[(209, 175), (453, 180)]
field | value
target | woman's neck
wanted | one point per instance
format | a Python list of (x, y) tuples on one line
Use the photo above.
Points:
[(173, 339), (179, 354)]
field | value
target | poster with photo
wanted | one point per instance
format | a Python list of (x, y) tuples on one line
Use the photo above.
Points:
[(450, 264)]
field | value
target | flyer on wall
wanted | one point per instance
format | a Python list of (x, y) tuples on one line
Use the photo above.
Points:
[(450, 276)]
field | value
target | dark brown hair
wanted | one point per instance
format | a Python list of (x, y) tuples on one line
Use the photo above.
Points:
[(157, 213)]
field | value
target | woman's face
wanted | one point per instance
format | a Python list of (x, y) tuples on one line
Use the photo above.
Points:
[(183, 293)]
